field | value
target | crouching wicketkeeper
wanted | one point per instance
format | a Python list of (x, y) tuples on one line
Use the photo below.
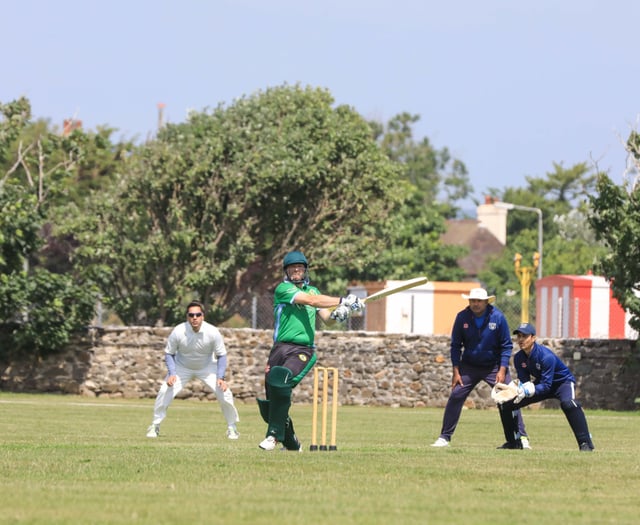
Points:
[(542, 375)]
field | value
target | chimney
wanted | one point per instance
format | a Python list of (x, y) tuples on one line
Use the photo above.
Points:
[(161, 107), (493, 219), (70, 124)]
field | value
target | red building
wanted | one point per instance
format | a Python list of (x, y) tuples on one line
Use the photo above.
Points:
[(579, 306)]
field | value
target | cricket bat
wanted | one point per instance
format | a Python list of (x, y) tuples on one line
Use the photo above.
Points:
[(406, 285)]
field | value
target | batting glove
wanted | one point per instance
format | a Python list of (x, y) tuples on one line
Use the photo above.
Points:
[(341, 313), (526, 389), (352, 302)]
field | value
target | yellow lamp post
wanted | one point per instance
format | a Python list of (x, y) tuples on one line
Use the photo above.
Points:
[(511, 206), (524, 274)]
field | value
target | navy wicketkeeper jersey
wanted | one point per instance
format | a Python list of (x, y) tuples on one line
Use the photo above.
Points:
[(542, 367)]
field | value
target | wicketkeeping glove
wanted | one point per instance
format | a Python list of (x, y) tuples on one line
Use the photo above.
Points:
[(502, 393), (341, 313), (526, 389), (352, 302)]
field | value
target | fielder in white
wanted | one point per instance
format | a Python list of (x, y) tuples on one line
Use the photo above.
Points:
[(195, 349)]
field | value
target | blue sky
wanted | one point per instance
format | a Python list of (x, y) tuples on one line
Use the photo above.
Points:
[(509, 86)]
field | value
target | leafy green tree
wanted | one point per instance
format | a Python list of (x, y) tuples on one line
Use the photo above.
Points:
[(19, 228), (438, 178), (570, 246), (211, 206), (556, 194), (39, 309), (15, 116), (615, 217), (633, 149), (415, 248), (434, 182)]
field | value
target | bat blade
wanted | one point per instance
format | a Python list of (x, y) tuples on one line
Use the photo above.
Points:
[(406, 285)]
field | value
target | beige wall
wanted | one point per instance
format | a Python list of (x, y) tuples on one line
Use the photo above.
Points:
[(428, 309), (448, 302)]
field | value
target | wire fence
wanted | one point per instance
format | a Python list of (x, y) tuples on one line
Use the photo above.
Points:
[(257, 313)]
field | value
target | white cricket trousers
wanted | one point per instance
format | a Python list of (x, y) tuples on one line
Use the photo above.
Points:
[(183, 375)]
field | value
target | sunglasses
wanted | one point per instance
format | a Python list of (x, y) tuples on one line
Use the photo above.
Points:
[(199, 314)]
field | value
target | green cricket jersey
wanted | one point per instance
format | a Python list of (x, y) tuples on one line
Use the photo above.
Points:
[(294, 323)]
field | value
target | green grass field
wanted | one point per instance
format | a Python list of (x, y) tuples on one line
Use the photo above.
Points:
[(66, 459)]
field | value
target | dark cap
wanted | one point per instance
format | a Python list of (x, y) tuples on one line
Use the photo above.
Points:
[(526, 329)]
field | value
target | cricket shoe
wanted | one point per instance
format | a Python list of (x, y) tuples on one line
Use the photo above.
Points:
[(268, 443), (293, 444), (285, 449), (516, 445), (586, 447), (232, 433), (525, 443), (153, 431), (440, 442)]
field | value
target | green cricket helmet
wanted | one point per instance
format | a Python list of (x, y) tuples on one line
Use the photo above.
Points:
[(296, 257)]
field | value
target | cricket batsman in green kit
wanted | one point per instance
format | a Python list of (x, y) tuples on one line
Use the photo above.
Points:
[(295, 306)]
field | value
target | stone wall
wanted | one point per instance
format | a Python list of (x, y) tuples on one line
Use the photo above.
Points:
[(375, 368)]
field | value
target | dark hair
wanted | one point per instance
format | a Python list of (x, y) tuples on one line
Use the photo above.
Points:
[(196, 303)]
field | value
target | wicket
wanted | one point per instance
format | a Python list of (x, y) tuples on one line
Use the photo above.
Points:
[(325, 371)]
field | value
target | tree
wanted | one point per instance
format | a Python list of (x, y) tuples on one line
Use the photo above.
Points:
[(415, 249), (438, 178), (615, 217), (570, 246), (39, 309), (211, 206), (633, 150), (15, 116), (434, 182)]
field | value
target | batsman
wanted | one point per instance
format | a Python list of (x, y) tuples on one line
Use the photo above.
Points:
[(295, 306)]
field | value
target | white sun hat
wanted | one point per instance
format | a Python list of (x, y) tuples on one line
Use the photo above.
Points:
[(480, 294)]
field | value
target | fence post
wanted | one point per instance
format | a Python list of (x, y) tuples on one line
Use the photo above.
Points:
[(254, 311)]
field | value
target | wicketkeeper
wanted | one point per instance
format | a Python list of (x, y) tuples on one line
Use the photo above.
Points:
[(542, 375)]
